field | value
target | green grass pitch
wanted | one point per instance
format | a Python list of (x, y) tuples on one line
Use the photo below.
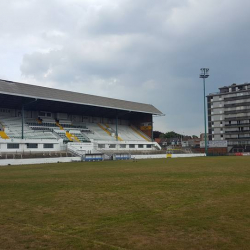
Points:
[(192, 203)]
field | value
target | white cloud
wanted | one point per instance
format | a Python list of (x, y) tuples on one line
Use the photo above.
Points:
[(137, 50)]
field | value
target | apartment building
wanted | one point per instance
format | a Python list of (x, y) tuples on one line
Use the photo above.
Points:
[(229, 116)]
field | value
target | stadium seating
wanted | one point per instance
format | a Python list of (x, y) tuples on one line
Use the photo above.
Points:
[(127, 133), (13, 129), (80, 136), (98, 133), (62, 134), (48, 128)]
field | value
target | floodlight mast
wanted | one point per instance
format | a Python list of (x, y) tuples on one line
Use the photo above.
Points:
[(205, 74)]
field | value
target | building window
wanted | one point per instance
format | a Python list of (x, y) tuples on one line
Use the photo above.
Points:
[(48, 145), (12, 145), (149, 146), (32, 145), (112, 145), (131, 145), (123, 146), (101, 145), (140, 146)]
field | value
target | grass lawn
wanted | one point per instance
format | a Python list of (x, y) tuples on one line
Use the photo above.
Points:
[(192, 203)]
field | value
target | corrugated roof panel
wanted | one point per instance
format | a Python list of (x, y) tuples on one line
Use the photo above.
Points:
[(21, 89)]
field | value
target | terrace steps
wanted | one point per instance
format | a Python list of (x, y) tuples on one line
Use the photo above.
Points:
[(140, 133), (72, 137), (117, 137), (3, 135)]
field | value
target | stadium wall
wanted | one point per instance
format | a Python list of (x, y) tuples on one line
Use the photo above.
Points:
[(222, 151), (162, 156), (38, 161), (6, 162), (23, 145)]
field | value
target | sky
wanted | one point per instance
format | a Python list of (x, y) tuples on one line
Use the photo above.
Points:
[(137, 50)]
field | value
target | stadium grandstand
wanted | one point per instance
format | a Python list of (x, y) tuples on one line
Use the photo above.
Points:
[(40, 119)]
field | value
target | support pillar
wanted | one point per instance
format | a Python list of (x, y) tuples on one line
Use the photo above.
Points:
[(152, 130), (116, 128), (22, 121)]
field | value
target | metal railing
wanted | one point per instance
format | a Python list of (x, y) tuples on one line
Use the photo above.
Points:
[(238, 125), (237, 131)]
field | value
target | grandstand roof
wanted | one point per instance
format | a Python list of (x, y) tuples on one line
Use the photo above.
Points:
[(45, 93)]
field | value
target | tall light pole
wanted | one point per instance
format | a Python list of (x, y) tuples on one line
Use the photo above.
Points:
[(205, 74)]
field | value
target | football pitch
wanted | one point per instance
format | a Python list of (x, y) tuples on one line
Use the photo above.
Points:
[(188, 203)]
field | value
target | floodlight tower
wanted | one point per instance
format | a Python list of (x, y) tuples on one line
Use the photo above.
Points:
[(205, 74)]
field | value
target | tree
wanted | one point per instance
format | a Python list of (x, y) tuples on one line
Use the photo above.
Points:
[(158, 134), (172, 134)]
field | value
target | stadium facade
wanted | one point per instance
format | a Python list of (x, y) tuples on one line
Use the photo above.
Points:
[(41, 119), (229, 116)]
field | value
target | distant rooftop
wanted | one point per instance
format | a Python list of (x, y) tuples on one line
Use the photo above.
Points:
[(232, 88)]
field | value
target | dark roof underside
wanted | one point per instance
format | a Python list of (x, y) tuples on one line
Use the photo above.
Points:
[(16, 102), (24, 91)]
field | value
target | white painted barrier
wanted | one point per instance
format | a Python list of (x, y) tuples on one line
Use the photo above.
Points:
[(162, 156), (187, 155), (6, 162)]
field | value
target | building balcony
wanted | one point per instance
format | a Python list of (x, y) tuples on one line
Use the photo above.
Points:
[(237, 98), (237, 132), (237, 139), (238, 125), (235, 118), (237, 111), (247, 103), (234, 143)]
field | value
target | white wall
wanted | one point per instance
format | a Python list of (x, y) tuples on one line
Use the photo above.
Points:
[(81, 148), (160, 156), (37, 161), (127, 143), (156, 156), (6, 162), (23, 145), (187, 155)]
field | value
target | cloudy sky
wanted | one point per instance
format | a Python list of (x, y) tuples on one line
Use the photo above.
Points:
[(139, 50)]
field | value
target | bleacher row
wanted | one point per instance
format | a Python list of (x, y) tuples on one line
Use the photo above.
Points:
[(13, 128), (64, 129)]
